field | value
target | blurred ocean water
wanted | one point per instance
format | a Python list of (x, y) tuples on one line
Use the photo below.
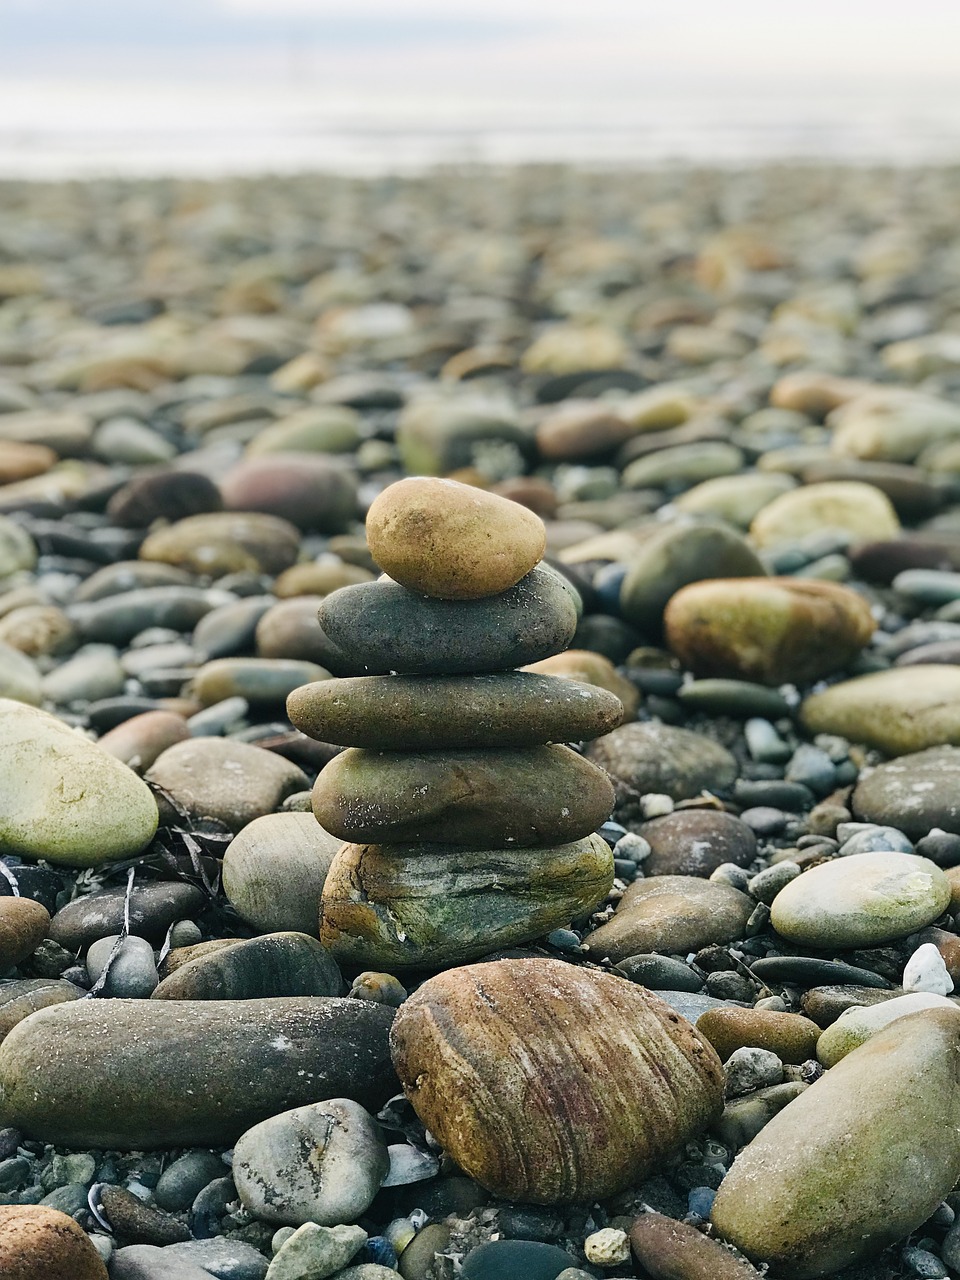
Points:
[(52, 128)]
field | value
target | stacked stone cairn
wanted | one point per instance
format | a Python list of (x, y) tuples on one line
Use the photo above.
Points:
[(470, 827)]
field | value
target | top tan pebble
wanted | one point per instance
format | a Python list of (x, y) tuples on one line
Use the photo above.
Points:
[(452, 541)]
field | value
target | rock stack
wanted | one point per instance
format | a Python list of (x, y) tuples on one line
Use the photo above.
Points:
[(468, 828)]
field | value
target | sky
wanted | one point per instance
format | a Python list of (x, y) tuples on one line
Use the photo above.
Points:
[(95, 80), (850, 40)]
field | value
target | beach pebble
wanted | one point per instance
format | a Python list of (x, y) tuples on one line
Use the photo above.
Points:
[(38, 1243), (65, 799), (903, 710), (164, 1056), (862, 900), (274, 871), (852, 1136), (473, 1091), (272, 965), (857, 1024), (926, 971), (671, 913), (772, 630), (316, 1252), (452, 541), (322, 1163), (133, 970)]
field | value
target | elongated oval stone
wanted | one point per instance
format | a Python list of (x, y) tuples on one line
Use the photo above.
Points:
[(64, 798), (550, 1083), (451, 540), (136, 1074), (479, 799), (409, 713), (386, 628), (860, 900), (674, 914), (276, 964), (858, 1160), (424, 907)]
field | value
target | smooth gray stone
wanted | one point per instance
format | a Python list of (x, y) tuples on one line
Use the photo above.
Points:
[(187, 1073), (660, 973), (276, 964), (183, 1180), (808, 971), (690, 1004), (387, 628), (147, 1262), (226, 1259), (116, 619), (230, 628), (153, 908)]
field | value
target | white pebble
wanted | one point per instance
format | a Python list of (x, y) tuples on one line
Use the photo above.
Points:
[(607, 1248), (926, 971), (653, 805)]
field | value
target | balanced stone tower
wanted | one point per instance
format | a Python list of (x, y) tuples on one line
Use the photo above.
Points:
[(468, 824)]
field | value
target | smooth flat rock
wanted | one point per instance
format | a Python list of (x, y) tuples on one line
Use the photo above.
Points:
[(275, 964), (22, 996), (899, 711), (645, 757), (534, 796), (263, 682), (386, 628), (550, 1083), (426, 906), (675, 1250), (915, 792), (63, 798), (694, 842), (857, 1024), (676, 914), (232, 781), (223, 542), (772, 630), (310, 490), (322, 1163), (856, 508), (857, 1161), (452, 541), (410, 713), (860, 901), (274, 871), (790, 1036), (182, 1070), (154, 906)]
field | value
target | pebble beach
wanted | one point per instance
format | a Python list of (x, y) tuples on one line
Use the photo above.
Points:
[(480, 725)]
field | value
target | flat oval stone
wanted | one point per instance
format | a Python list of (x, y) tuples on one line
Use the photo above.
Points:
[(479, 799), (857, 1024), (310, 490), (224, 541), (322, 1163), (386, 628), (452, 541), (694, 842), (675, 554), (505, 1259), (664, 1247), (825, 1004), (550, 1083), (742, 698), (647, 757), (63, 798), (261, 681), (141, 739), (856, 508), (409, 713), (181, 1071), (153, 908), (167, 494), (219, 778), (790, 1036), (860, 901), (676, 914), (274, 871), (275, 964), (898, 711), (773, 630), (809, 971), (915, 792), (857, 1161), (23, 996), (421, 906), (118, 617)]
